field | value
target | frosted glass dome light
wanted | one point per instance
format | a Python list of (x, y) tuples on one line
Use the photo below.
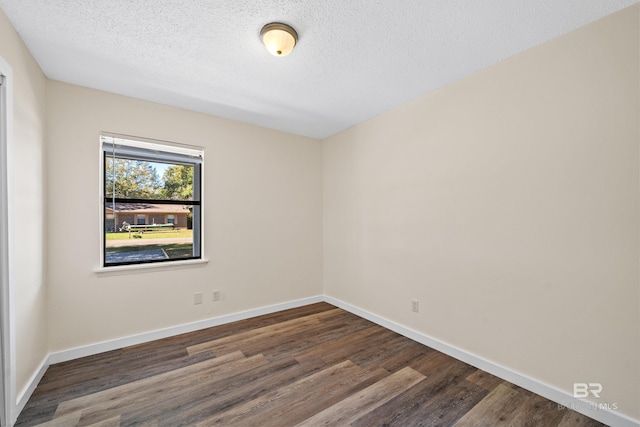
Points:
[(279, 39)]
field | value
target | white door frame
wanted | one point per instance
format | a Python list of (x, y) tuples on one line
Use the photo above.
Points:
[(8, 405)]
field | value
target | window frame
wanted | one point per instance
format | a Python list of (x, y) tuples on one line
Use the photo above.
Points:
[(155, 151)]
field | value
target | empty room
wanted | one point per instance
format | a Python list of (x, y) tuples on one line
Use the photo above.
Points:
[(340, 212)]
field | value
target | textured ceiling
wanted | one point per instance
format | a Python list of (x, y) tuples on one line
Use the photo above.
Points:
[(355, 58)]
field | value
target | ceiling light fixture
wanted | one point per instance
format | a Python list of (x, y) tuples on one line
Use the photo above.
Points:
[(278, 38)]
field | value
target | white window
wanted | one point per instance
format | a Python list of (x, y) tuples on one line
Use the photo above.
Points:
[(145, 181)]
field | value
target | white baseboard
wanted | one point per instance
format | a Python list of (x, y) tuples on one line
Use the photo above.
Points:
[(550, 392), (24, 395), (101, 347)]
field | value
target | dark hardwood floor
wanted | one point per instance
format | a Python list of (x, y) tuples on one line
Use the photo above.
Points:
[(309, 366)]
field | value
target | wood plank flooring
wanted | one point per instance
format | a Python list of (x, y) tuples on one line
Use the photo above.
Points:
[(310, 366)]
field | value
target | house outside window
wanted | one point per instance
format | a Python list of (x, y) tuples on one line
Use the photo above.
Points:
[(152, 201)]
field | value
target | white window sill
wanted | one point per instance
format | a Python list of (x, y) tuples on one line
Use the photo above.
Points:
[(144, 268)]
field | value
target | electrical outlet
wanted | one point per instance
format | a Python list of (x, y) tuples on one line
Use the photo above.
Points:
[(197, 298), (216, 295), (415, 306)]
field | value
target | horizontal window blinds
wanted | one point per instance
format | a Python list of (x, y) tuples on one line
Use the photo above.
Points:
[(150, 151)]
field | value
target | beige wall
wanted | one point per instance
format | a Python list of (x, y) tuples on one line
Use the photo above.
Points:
[(27, 212), (262, 219), (508, 205)]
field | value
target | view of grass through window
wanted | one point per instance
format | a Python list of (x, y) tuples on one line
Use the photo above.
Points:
[(156, 239), (150, 209)]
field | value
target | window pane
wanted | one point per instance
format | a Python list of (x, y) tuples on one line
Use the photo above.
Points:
[(127, 241), (141, 179), (152, 209)]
